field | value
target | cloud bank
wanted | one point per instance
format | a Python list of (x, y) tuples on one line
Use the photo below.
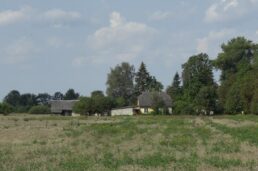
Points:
[(122, 40)]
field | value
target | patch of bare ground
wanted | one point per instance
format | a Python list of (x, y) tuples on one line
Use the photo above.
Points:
[(137, 168), (136, 147), (27, 132), (247, 153), (226, 147), (233, 123), (205, 167), (198, 122)]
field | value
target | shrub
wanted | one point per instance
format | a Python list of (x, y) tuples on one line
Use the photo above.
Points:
[(183, 107), (5, 109), (22, 109), (254, 104), (40, 109)]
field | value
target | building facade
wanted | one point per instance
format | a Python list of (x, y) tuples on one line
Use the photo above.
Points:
[(63, 107)]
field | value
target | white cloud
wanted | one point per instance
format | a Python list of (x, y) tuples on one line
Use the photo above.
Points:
[(211, 13), (13, 16), (80, 61), (254, 1), (54, 42), (61, 15), (230, 4), (121, 40), (161, 15), (58, 17), (224, 10), (20, 51), (214, 39)]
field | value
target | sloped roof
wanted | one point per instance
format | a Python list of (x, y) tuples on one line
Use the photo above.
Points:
[(147, 99), (57, 106)]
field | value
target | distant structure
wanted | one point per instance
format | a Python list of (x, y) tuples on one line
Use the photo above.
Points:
[(145, 104), (147, 100), (63, 107), (124, 111)]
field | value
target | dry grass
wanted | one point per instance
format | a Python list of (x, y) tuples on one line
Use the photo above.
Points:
[(127, 143)]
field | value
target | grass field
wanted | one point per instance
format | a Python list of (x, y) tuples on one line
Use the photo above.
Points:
[(30, 142)]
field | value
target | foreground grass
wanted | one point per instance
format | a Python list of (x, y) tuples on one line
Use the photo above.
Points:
[(127, 143)]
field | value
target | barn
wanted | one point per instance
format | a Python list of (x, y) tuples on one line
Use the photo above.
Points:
[(63, 107)]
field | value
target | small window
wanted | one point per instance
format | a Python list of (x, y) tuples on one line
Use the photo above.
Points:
[(145, 110)]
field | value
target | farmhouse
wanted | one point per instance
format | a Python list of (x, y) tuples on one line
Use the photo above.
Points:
[(63, 107), (145, 104), (148, 100)]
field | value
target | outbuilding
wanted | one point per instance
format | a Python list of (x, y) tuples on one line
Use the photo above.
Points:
[(124, 111), (63, 107)]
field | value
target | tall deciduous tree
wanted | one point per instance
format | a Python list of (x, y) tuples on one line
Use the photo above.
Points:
[(238, 64), (254, 104), (43, 98), (13, 98), (198, 84), (71, 95), (120, 82), (97, 104), (97, 93), (28, 100), (205, 100), (197, 72), (58, 96)]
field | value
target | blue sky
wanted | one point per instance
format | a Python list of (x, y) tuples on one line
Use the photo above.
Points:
[(54, 45)]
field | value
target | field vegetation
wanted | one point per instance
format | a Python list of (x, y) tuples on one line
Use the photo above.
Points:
[(46, 142)]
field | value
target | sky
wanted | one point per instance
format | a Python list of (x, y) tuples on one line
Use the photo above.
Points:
[(54, 45)]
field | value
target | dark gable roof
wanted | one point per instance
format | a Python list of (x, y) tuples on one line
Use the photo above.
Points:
[(146, 99), (57, 106)]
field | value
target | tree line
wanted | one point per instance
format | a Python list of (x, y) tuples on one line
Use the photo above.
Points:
[(193, 91), (124, 85), (16, 102), (196, 91)]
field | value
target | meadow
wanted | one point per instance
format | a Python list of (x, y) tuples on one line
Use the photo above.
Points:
[(45, 142)]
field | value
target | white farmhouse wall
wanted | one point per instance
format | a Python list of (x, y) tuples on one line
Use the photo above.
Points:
[(122, 112)]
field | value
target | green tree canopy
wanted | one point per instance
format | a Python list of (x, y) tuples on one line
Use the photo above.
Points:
[(5, 108), (92, 105), (238, 64), (58, 96), (28, 99), (237, 55), (43, 98), (13, 98), (97, 93), (175, 89), (120, 82), (145, 82), (197, 72), (142, 79), (198, 92), (71, 95)]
